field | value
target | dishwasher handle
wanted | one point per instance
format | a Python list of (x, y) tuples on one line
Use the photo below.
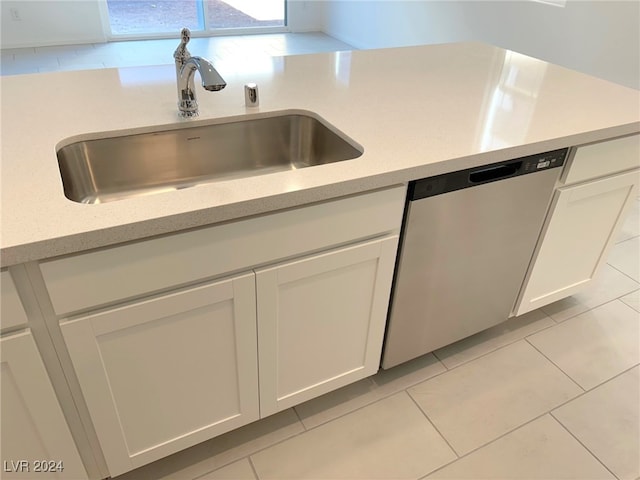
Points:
[(494, 173), (460, 179)]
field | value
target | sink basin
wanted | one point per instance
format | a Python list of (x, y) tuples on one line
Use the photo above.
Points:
[(109, 169)]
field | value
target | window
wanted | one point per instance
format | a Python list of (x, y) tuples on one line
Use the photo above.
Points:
[(155, 17)]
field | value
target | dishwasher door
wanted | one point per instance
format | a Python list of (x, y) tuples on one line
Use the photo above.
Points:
[(464, 253)]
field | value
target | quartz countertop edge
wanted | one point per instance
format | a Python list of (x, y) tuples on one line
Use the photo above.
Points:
[(415, 111)]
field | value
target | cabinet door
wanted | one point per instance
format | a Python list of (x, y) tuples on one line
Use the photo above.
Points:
[(576, 239), (169, 372), (36, 442), (321, 321)]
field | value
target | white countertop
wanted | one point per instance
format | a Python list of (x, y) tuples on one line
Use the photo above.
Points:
[(416, 111)]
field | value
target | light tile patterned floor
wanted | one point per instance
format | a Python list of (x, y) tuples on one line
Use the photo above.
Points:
[(553, 394), (607, 423), (541, 449)]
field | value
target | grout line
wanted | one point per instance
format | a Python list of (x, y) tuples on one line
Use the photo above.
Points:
[(440, 360), (412, 384), (534, 419), (333, 420), (455, 452), (265, 447), (549, 412), (618, 242), (355, 409), (614, 267), (598, 305), (299, 418), (554, 364), (374, 401), (583, 445), (613, 378), (592, 389), (625, 295), (253, 467), (558, 322), (499, 347), (207, 473), (492, 441), (220, 467)]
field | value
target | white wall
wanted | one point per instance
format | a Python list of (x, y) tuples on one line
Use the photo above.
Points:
[(64, 22), (600, 38), (305, 16), (48, 22)]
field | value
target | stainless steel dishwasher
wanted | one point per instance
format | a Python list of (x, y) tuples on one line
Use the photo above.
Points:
[(467, 240)]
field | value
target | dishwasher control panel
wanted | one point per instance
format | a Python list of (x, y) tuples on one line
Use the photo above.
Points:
[(545, 160), (450, 182)]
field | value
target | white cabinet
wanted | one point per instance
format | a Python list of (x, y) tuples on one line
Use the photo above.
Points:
[(171, 346), (35, 439), (321, 321), (166, 373), (169, 372), (36, 442), (582, 223)]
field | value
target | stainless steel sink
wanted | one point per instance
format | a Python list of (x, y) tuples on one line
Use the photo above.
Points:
[(105, 170)]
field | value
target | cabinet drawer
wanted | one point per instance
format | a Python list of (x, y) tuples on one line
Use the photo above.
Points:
[(12, 314), (83, 281), (602, 159)]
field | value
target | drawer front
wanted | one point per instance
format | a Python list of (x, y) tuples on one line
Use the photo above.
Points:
[(83, 281), (12, 314), (602, 159)]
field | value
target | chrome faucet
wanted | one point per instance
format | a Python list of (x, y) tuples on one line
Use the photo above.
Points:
[(186, 66)]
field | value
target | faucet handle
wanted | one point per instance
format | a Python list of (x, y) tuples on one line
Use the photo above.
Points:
[(185, 35), (182, 54)]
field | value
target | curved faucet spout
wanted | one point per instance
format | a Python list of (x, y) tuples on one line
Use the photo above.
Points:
[(186, 66), (211, 79)]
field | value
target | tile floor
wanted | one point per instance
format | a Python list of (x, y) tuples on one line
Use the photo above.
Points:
[(554, 394), (159, 52)]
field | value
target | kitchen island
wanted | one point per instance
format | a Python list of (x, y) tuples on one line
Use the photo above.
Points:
[(278, 284), (415, 111)]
